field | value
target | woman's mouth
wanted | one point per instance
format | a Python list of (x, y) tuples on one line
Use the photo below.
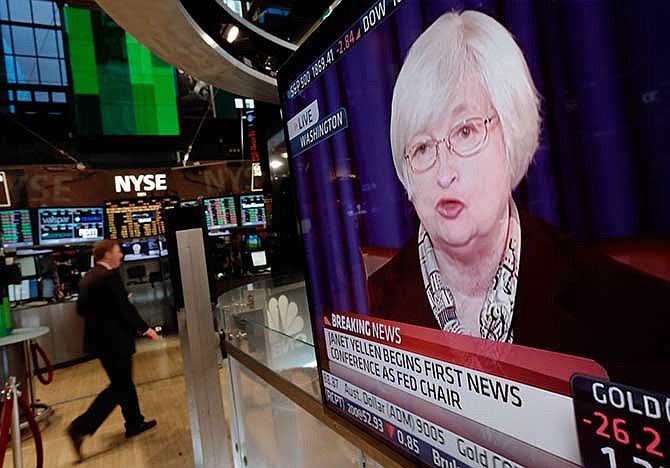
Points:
[(449, 208)]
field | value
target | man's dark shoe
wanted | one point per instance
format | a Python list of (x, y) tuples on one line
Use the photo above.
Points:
[(143, 426), (76, 438)]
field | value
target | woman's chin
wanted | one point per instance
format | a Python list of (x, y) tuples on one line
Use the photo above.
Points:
[(455, 237)]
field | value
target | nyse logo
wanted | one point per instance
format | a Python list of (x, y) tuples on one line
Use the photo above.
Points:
[(140, 183)]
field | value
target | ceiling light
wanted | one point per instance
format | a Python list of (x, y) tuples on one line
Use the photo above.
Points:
[(274, 164), (284, 155)]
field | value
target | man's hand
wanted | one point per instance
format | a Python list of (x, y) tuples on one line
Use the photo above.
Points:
[(151, 334)]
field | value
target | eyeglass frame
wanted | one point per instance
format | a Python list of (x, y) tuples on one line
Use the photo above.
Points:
[(486, 121)]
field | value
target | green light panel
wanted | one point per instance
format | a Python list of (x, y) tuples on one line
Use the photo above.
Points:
[(120, 87)]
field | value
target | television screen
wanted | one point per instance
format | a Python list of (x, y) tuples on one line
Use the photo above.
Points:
[(143, 249), (220, 214), (252, 208), (70, 225), (474, 188), (17, 228), (119, 86)]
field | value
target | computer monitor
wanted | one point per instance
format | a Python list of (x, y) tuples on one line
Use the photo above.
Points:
[(17, 228), (26, 265), (252, 208), (220, 214), (58, 226), (258, 259), (253, 242)]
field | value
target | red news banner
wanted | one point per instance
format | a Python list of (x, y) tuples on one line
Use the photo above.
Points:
[(452, 400)]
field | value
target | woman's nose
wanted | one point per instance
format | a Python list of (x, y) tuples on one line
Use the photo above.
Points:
[(447, 173)]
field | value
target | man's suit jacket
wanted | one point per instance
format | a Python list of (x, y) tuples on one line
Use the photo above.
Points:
[(570, 299), (112, 322)]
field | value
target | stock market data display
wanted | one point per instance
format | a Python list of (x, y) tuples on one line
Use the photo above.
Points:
[(135, 219), (17, 229), (220, 213), (253, 210), (70, 225)]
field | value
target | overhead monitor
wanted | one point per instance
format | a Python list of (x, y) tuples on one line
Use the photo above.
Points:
[(135, 219), (252, 209), (70, 225), (220, 214), (17, 229)]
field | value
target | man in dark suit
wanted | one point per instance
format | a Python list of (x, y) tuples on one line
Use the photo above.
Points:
[(111, 326)]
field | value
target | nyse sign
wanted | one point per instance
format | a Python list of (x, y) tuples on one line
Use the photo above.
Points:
[(140, 183)]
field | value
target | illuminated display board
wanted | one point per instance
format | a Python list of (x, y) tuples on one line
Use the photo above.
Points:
[(134, 219), (70, 225), (252, 209), (220, 213), (17, 228), (440, 158), (119, 86)]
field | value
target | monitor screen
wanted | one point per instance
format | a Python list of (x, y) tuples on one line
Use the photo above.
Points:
[(134, 219), (253, 210), (70, 225), (220, 214), (26, 265), (253, 242), (258, 259), (17, 228), (143, 249)]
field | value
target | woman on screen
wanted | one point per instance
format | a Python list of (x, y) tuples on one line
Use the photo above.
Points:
[(465, 125)]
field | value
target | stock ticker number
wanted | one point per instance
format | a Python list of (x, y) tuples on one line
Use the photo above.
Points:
[(365, 417), (621, 426), (348, 40)]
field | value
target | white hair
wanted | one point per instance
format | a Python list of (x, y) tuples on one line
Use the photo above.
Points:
[(455, 46)]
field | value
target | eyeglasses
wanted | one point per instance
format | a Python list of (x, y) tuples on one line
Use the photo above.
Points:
[(464, 140)]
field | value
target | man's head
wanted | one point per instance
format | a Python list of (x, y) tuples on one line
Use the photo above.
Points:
[(109, 252)]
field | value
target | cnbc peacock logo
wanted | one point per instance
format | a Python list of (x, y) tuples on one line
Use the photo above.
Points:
[(287, 325)]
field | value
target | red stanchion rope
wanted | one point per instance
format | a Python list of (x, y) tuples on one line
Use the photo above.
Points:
[(6, 423), (34, 428), (4, 428), (36, 348)]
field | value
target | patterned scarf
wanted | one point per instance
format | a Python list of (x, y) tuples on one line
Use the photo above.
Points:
[(495, 320)]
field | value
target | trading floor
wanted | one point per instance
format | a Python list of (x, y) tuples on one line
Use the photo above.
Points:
[(159, 377)]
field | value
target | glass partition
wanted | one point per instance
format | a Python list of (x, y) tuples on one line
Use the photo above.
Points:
[(268, 321)]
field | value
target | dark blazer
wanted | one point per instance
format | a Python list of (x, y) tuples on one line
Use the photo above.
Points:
[(112, 322), (570, 299)]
